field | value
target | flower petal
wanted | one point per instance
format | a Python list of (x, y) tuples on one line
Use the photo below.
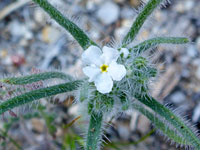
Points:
[(92, 55), (116, 71), (109, 54), (125, 52), (91, 72), (104, 83)]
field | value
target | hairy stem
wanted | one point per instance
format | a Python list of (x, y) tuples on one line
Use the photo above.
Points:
[(137, 24), (94, 131), (38, 94), (71, 27), (160, 124), (159, 40), (177, 123), (36, 77)]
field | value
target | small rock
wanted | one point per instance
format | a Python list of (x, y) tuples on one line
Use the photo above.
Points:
[(37, 125), (184, 6), (185, 73), (178, 97), (18, 60), (108, 13), (39, 16), (185, 59), (180, 7), (196, 113), (192, 51), (143, 124), (188, 5), (198, 43), (17, 29), (91, 6), (50, 34), (135, 3), (127, 13), (123, 131), (197, 73)]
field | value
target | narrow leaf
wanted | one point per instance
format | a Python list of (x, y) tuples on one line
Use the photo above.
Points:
[(177, 123), (137, 24), (160, 124), (142, 47), (36, 77), (94, 131), (38, 94), (71, 27)]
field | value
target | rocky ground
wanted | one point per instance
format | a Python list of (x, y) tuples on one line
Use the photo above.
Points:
[(31, 41)]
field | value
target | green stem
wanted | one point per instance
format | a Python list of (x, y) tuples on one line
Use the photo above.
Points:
[(36, 77), (38, 94), (142, 47), (137, 24), (161, 124), (71, 27), (177, 123), (94, 131)]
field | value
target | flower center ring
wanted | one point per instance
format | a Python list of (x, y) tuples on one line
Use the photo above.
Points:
[(104, 68)]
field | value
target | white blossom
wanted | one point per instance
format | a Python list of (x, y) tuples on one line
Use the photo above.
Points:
[(101, 67), (125, 52)]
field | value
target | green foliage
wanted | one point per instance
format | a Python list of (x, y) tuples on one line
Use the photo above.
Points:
[(141, 18), (151, 43), (160, 124), (38, 94), (178, 124), (36, 77), (135, 84), (71, 27), (94, 131)]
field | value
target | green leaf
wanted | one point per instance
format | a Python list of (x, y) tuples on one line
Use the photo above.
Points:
[(71, 27), (161, 124), (137, 24), (94, 131), (142, 47), (38, 94), (36, 77), (169, 116)]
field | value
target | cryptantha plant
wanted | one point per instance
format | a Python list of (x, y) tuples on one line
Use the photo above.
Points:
[(117, 79)]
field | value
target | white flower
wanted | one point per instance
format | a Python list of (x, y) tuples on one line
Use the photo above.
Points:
[(101, 67), (125, 52)]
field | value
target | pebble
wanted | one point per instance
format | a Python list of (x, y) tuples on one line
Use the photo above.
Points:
[(135, 3), (197, 73), (143, 124), (127, 13), (178, 97), (196, 113), (108, 13), (184, 6), (189, 4), (123, 131), (19, 30), (39, 16), (91, 6), (38, 125), (50, 34), (198, 44), (191, 51)]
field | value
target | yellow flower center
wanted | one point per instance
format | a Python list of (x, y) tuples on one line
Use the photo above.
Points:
[(104, 68)]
